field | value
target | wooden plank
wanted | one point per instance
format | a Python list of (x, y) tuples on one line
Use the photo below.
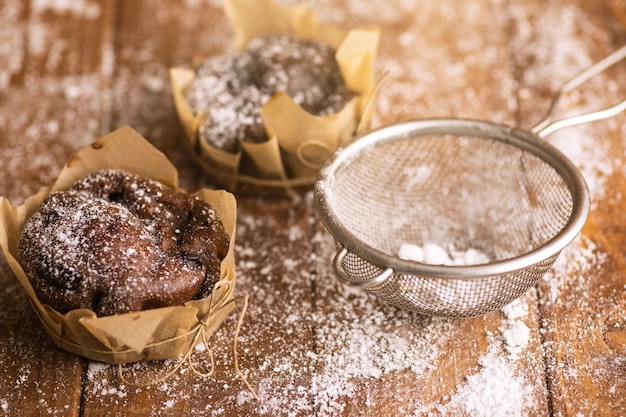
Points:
[(276, 341), (308, 345), (50, 106), (31, 364), (375, 360), (583, 299), (274, 344), (152, 37), (51, 101), (273, 235)]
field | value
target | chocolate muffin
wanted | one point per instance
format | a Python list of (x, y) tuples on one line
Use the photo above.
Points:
[(231, 89), (116, 243)]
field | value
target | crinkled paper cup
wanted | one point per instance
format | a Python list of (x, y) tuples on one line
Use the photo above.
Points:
[(160, 333), (299, 143)]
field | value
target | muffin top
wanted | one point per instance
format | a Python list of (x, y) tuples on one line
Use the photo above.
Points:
[(116, 243)]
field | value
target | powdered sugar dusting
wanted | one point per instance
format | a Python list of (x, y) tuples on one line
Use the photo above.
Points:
[(494, 389), (340, 350), (69, 108), (573, 303), (577, 260), (82, 8), (356, 343), (515, 332), (558, 55), (368, 345), (434, 254)]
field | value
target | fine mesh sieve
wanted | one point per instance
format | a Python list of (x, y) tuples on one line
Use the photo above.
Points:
[(461, 184)]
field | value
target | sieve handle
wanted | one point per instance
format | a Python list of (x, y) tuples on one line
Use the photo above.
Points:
[(549, 125), (345, 278)]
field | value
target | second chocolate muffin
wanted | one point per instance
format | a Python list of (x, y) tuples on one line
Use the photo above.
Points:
[(232, 88)]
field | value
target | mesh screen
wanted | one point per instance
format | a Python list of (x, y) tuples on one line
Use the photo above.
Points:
[(454, 191)]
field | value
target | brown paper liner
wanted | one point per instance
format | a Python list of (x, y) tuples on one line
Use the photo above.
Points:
[(299, 142), (161, 333)]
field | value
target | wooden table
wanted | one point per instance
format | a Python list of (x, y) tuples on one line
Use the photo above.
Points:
[(70, 72)]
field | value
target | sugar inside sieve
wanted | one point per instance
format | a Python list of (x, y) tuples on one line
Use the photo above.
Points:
[(463, 185)]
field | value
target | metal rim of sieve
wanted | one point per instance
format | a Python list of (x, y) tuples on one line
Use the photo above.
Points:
[(413, 130)]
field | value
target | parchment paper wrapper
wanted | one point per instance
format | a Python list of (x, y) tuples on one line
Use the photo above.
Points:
[(299, 142), (161, 333)]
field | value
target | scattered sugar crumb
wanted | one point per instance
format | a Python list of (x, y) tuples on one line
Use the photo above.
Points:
[(516, 336), (515, 332)]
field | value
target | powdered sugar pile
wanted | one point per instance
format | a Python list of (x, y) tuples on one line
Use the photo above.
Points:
[(515, 332), (494, 389), (434, 254)]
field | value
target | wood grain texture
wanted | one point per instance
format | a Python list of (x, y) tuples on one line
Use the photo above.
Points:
[(71, 72), (582, 309), (45, 58)]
